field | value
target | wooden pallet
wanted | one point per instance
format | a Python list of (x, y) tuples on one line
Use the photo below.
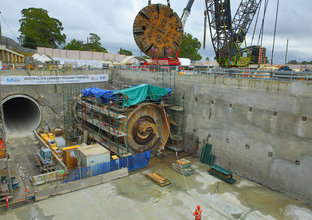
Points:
[(158, 179), (184, 171), (184, 163)]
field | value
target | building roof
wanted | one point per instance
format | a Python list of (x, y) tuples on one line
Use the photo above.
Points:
[(92, 150)]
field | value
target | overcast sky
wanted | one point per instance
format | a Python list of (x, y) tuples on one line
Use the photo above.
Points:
[(113, 20)]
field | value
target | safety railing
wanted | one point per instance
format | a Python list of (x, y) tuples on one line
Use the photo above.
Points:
[(261, 74), (234, 73), (12, 45)]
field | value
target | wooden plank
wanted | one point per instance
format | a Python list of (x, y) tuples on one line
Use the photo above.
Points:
[(158, 179)]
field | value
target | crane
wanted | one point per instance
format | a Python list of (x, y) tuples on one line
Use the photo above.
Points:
[(227, 34), (186, 12), (158, 31)]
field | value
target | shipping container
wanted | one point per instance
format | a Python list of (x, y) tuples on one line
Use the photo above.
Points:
[(90, 155), (70, 156)]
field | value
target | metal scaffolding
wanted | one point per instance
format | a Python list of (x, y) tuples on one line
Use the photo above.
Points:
[(89, 119), (174, 106)]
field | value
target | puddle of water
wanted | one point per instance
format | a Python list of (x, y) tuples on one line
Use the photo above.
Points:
[(29, 212)]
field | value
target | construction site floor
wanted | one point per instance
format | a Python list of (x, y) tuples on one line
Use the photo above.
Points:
[(22, 151), (137, 197)]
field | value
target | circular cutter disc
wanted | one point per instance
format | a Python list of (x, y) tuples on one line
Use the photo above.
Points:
[(158, 31), (147, 128)]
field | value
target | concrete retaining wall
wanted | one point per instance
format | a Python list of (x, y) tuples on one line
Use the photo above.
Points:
[(82, 55), (260, 129), (80, 184), (48, 97)]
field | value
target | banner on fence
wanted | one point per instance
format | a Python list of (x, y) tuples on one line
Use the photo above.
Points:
[(39, 80)]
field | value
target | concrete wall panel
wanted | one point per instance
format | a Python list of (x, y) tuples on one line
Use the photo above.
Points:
[(63, 53), (238, 117), (98, 56), (73, 54), (56, 52), (82, 55), (44, 194), (86, 55), (114, 175), (48, 51), (63, 188)]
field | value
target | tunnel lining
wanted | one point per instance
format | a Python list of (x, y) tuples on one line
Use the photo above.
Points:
[(33, 113)]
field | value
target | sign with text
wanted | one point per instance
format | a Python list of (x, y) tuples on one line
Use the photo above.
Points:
[(39, 80)]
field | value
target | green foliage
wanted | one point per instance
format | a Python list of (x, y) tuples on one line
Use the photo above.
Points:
[(125, 52), (298, 62), (39, 29), (207, 59), (293, 62), (74, 45), (189, 47), (94, 44)]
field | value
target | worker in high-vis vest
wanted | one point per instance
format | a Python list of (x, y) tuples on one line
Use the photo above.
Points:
[(7, 201), (197, 213)]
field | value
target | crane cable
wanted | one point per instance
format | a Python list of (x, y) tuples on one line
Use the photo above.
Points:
[(7, 25), (205, 28), (260, 39), (277, 7), (253, 34)]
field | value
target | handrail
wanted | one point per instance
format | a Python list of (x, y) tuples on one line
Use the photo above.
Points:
[(12, 45)]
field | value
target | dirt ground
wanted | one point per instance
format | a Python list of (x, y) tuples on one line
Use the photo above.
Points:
[(22, 150)]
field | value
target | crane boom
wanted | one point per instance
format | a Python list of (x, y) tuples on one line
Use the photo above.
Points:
[(243, 18), (186, 12), (227, 35)]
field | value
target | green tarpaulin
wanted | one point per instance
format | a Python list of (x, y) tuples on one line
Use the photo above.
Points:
[(137, 94)]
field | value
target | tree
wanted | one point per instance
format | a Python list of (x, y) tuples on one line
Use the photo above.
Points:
[(189, 47), (39, 29), (293, 62), (207, 59), (125, 52), (95, 44), (74, 45)]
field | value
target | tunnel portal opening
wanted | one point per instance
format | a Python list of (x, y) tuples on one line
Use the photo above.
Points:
[(21, 113)]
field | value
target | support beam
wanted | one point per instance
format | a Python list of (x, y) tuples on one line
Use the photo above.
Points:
[(11, 58)]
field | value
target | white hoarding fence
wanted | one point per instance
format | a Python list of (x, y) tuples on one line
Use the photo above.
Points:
[(37, 80)]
